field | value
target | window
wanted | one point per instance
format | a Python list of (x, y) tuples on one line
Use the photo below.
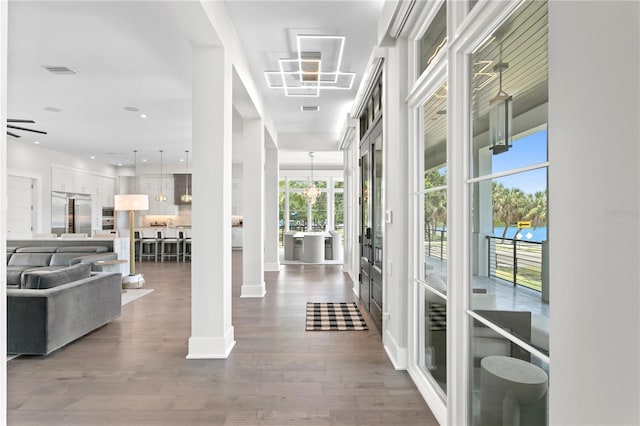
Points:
[(296, 214), (432, 284), (508, 197)]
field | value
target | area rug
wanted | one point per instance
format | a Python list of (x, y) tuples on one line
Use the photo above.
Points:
[(131, 295), (334, 316)]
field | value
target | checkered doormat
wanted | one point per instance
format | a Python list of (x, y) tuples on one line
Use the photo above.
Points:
[(334, 316)]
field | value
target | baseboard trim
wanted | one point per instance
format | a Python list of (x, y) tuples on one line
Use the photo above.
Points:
[(211, 347), (396, 353), (272, 267), (258, 290)]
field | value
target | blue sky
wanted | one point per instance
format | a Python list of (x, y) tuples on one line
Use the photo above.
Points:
[(525, 151)]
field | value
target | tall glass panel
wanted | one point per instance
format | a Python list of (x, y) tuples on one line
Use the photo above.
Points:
[(297, 212), (433, 282), (433, 357), (509, 284), (377, 203), (319, 213), (338, 212)]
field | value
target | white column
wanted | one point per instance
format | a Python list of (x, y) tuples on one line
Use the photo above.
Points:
[(253, 207), (3, 201), (211, 330), (272, 211)]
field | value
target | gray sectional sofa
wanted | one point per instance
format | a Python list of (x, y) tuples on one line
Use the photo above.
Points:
[(21, 260), (57, 307), (54, 297)]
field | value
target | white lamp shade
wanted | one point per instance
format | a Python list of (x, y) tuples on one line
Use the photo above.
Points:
[(129, 202)]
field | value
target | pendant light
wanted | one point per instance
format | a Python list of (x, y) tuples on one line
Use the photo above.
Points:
[(161, 197), (186, 197), (135, 170), (500, 117), (311, 192)]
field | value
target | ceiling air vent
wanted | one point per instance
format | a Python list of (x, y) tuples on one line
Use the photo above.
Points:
[(59, 69), (309, 108)]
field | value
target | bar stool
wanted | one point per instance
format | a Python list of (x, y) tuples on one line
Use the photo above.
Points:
[(149, 244), (137, 245), (170, 244), (186, 244)]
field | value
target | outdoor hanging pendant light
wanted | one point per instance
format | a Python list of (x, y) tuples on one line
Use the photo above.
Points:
[(186, 197), (161, 197), (500, 117), (311, 192)]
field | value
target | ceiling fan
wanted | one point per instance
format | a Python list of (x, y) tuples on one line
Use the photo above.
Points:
[(16, 120)]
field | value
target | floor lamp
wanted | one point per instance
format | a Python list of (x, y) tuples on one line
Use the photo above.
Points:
[(132, 203)]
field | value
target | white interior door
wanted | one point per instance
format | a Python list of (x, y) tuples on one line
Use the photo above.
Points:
[(19, 207)]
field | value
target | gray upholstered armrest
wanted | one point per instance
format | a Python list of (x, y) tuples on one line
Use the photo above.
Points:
[(41, 321)]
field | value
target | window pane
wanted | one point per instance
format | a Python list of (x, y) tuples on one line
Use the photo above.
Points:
[(338, 209), (297, 212), (435, 228), (434, 39), (338, 184), (435, 139), (510, 93), (319, 213), (433, 359), (298, 183), (320, 183), (509, 245), (506, 379), (281, 215)]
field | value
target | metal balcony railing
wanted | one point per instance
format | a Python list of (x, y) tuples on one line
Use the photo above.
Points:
[(517, 261), (435, 243)]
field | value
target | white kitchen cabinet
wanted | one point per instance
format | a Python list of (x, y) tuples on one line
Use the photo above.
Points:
[(108, 191), (62, 180), (68, 180), (86, 183)]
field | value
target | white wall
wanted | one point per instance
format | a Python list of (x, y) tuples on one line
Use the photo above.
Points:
[(35, 162), (594, 201), (3, 201), (395, 173)]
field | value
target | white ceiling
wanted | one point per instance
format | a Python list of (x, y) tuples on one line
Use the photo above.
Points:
[(133, 54)]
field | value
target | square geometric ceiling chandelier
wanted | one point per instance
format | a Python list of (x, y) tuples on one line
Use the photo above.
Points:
[(316, 68)]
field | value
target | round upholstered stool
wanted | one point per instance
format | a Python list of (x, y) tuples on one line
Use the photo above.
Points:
[(512, 392)]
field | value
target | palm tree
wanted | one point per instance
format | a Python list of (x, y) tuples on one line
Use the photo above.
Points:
[(537, 209), (509, 205)]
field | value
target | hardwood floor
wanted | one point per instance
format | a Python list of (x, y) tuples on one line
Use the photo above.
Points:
[(133, 371)]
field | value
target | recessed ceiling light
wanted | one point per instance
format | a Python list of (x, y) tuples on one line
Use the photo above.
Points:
[(52, 109), (119, 164), (143, 115), (144, 160), (93, 157), (36, 142)]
